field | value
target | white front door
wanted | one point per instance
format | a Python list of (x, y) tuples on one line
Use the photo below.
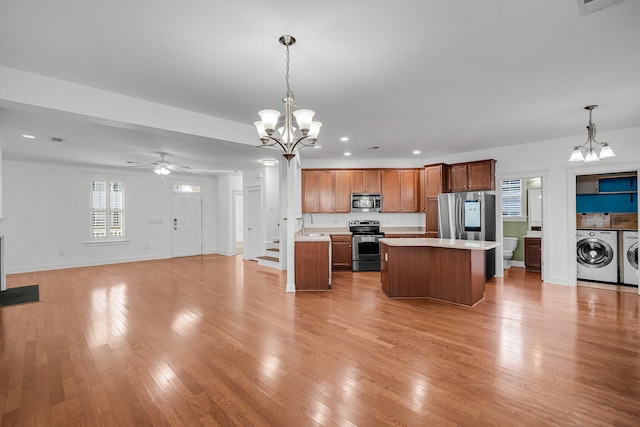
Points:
[(253, 235), (186, 225)]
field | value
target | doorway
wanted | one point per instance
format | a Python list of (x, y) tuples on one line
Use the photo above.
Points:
[(253, 235), (522, 221), (238, 201)]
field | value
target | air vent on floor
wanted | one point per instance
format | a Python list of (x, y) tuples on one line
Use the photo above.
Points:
[(589, 6)]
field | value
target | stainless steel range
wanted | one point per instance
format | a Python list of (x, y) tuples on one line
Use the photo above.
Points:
[(365, 245)]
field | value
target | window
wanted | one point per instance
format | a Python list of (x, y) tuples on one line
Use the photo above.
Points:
[(106, 216), (179, 188), (512, 200)]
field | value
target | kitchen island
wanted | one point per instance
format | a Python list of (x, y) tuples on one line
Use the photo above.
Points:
[(445, 269)]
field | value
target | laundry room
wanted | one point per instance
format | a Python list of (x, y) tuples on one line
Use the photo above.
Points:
[(607, 229)]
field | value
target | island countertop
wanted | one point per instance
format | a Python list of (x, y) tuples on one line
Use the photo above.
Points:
[(477, 245)]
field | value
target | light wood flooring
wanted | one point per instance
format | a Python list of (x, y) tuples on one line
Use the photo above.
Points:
[(215, 340)]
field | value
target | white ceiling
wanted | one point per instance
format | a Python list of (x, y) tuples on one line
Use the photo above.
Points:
[(436, 75)]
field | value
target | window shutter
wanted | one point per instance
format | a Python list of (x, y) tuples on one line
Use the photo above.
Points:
[(512, 197), (107, 209)]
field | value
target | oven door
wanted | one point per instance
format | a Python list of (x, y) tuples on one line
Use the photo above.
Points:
[(366, 253)]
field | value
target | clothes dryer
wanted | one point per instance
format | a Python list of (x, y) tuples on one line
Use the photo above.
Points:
[(629, 257), (597, 255)]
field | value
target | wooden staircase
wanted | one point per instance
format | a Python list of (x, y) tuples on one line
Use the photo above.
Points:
[(272, 257)]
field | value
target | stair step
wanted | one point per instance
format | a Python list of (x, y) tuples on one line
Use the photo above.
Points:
[(268, 258), (273, 249)]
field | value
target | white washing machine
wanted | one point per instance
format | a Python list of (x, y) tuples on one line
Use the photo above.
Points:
[(597, 255), (629, 257)]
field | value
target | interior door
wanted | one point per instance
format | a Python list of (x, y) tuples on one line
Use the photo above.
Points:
[(253, 235), (238, 215), (186, 224)]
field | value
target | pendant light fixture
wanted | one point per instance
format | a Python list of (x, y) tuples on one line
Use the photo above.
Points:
[(287, 137), (590, 154)]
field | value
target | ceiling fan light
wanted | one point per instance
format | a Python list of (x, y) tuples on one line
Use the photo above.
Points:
[(606, 151), (576, 155), (161, 170), (591, 156)]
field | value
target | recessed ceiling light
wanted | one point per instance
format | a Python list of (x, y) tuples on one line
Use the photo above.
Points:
[(317, 146), (29, 136), (416, 151), (268, 162), (347, 153), (344, 139)]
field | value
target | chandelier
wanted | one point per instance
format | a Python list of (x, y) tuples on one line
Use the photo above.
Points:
[(287, 137), (589, 147)]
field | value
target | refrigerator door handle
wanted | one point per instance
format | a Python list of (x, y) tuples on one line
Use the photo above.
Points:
[(459, 219)]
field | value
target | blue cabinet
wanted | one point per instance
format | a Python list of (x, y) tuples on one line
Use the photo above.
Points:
[(612, 193)]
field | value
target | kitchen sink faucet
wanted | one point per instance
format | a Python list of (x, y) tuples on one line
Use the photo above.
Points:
[(303, 215)]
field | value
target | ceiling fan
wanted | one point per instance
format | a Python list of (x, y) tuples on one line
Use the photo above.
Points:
[(163, 167)]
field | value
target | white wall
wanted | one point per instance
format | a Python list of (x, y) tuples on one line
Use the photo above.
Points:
[(386, 219), (47, 210)]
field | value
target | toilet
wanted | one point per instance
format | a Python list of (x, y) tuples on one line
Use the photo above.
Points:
[(509, 245)]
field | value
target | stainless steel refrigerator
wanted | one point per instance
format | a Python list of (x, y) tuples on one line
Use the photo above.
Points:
[(469, 216)]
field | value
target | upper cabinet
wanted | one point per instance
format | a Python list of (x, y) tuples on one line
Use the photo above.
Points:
[(435, 179), (472, 176), (435, 182), (343, 191), (329, 190), (365, 181), (318, 191), (400, 190)]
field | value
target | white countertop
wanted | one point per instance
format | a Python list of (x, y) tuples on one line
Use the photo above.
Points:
[(477, 245), (312, 237)]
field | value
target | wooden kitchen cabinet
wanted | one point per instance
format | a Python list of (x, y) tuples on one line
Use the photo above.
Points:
[(533, 253), (435, 183), (472, 176), (340, 252), (318, 191), (312, 266), (310, 191), (400, 190), (343, 191), (431, 217), (365, 181)]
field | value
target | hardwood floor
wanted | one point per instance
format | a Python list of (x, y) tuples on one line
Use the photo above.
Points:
[(216, 341)]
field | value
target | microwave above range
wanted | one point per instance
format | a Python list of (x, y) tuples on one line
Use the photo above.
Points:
[(366, 202)]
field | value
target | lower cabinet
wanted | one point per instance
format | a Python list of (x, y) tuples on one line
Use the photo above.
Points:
[(340, 252), (533, 253), (312, 266)]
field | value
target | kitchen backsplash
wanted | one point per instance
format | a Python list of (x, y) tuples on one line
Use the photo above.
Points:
[(386, 219)]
